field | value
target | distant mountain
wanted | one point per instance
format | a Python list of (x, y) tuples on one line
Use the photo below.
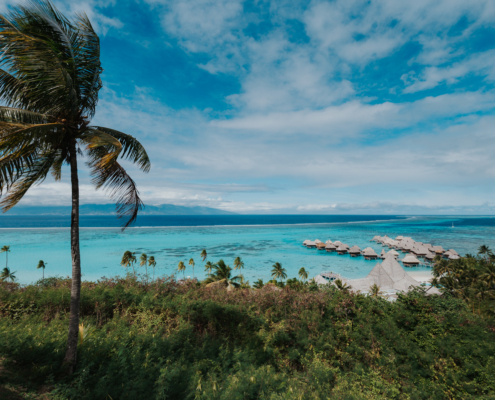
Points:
[(109, 209)]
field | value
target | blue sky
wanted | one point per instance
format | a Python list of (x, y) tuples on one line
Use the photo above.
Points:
[(338, 106)]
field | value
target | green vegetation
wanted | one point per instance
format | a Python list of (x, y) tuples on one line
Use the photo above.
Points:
[(42, 265), (469, 278), (187, 339)]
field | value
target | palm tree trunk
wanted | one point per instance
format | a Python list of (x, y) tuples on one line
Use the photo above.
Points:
[(75, 293)]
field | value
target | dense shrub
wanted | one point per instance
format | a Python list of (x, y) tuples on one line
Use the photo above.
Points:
[(173, 340)]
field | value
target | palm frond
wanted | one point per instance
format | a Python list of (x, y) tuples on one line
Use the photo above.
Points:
[(99, 143), (131, 148), (18, 116), (35, 45), (34, 174), (87, 54), (119, 184)]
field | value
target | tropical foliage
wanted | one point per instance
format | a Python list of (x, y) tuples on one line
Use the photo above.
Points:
[(128, 259), (178, 340), (238, 263), (471, 279), (152, 263), (181, 267), (42, 265), (7, 274)]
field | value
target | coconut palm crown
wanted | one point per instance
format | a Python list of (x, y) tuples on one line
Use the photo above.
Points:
[(49, 83), (278, 272), (222, 277), (152, 263), (6, 250)]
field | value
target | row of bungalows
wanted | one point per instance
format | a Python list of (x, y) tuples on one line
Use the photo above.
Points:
[(415, 249), (342, 248)]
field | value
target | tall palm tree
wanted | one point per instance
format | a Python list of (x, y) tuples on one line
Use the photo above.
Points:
[(208, 267), (182, 267), (238, 263), (6, 250), (49, 84), (191, 262), (278, 272), (303, 274), (42, 265), (152, 263), (204, 254), (128, 259), (144, 261), (223, 277), (7, 274)]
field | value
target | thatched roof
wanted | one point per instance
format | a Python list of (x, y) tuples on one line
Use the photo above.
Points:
[(410, 259), (368, 251), (342, 247), (399, 238), (318, 241), (328, 242), (454, 257), (337, 243), (306, 242), (393, 252), (354, 249), (388, 275), (429, 256), (330, 246)]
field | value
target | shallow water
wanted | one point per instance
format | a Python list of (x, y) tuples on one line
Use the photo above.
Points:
[(259, 245)]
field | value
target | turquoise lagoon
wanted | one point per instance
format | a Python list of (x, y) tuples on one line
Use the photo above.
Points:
[(225, 237)]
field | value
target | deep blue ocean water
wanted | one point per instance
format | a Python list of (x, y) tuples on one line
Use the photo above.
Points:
[(260, 240)]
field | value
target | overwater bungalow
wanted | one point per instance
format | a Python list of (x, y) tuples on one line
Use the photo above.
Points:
[(454, 257), (342, 249), (429, 256), (375, 239), (410, 260), (328, 242), (393, 253), (355, 251), (420, 251), (337, 243), (320, 246), (305, 243), (330, 247), (369, 254), (311, 245), (382, 254), (318, 241), (438, 249), (398, 238)]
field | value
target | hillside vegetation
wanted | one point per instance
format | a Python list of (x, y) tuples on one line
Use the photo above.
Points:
[(183, 340)]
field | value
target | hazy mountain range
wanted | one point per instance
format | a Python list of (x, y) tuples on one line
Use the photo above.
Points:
[(109, 209)]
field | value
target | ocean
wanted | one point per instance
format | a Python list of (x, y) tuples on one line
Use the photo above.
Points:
[(260, 240)]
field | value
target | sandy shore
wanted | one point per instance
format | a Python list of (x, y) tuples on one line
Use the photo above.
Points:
[(421, 276)]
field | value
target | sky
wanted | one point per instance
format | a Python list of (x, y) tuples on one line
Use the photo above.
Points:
[(344, 106)]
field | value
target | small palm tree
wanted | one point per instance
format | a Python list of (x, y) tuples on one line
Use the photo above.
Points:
[(238, 263), (7, 274), (208, 267), (204, 254), (303, 274), (375, 291), (485, 251), (258, 284), (128, 259), (182, 267), (152, 263), (278, 272), (143, 261), (343, 287), (222, 277), (6, 250), (191, 262), (42, 264)]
